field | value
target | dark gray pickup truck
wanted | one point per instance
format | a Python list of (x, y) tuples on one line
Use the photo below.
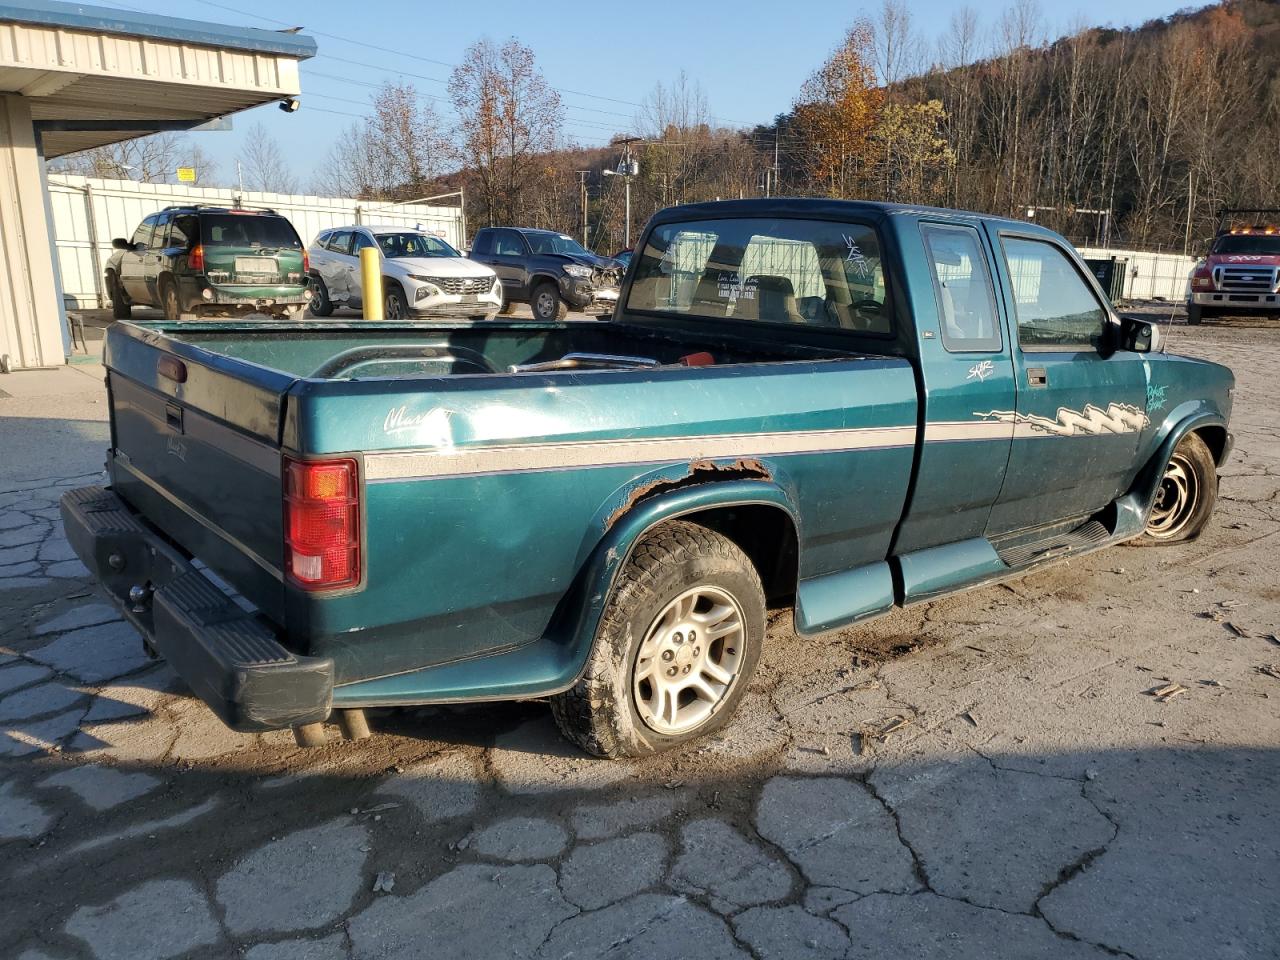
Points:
[(549, 271)]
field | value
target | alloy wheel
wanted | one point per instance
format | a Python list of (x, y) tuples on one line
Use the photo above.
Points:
[(689, 661), (1176, 500)]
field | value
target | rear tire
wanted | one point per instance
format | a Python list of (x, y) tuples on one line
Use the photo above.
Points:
[(675, 650), (547, 304), (120, 306), (1187, 494), (320, 305), (169, 301)]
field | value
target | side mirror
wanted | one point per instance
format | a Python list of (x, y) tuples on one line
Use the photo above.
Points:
[(1138, 334), (120, 243)]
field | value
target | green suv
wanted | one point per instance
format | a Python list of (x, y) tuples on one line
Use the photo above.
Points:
[(209, 261)]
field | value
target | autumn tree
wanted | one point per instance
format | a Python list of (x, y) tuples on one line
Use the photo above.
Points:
[(508, 116), (837, 112), (395, 154)]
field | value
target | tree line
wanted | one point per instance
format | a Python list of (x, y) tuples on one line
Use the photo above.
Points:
[(1134, 136)]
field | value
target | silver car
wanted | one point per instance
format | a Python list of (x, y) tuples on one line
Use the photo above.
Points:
[(422, 276)]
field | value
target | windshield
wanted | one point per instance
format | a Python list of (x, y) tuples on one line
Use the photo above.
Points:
[(409, 244), (248, 230), (1257, 243), (555, 243)]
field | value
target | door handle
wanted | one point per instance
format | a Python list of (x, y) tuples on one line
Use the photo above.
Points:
[(1037, 377)]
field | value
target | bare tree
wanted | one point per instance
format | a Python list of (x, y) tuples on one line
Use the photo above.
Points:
[(508, 115), (898, 50), (262, 166), (151, 159)]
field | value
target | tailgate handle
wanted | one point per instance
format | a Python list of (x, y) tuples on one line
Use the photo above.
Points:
[(173, 416), (1037, 377)]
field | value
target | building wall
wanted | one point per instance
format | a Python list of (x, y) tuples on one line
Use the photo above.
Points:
[(31, 315), (88, 213)]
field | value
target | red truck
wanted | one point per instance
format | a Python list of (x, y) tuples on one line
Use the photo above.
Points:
[(1241, 273)]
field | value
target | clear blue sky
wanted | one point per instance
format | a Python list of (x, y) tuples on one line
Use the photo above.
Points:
[(750, 56)]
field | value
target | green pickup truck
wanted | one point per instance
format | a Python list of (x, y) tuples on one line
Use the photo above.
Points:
[(841, 407)]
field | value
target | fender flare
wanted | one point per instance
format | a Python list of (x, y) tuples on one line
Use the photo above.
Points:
[(1182, 420), (579, 615)]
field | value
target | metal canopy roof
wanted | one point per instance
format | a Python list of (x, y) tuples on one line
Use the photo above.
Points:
[(95, 75)]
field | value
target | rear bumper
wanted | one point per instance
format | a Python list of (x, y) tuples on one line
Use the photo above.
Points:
[(231, 659)]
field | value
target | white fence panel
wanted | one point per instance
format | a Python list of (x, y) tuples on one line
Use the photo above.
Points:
[(88, 213), (1150, 276)]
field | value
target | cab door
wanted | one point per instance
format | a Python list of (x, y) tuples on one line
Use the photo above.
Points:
[(510, 261), (134, 260), (1080, 408)]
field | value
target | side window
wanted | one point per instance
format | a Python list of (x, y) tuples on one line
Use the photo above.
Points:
[(361, 242), (184, 230), (143, 233), (966, 299), (160, 239), (1055, 306), (484, 243), (340, 241), (507, 243)]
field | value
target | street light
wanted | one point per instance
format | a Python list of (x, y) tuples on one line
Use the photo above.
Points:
[(627, 170)]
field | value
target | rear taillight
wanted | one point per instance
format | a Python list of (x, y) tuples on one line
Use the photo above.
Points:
[(306, 262), (322, 523), (195, 258)]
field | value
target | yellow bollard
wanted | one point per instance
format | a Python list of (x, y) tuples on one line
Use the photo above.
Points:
[(371, 283)]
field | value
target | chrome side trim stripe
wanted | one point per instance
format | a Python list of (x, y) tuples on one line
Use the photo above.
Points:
[(945, 430), (513, 458)]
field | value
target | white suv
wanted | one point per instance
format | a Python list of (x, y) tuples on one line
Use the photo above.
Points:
[(422, 276)]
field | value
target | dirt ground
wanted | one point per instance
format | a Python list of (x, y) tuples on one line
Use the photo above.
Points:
[(1028, 798)]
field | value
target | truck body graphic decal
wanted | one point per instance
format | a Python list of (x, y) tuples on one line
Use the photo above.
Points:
[(1093, 421)]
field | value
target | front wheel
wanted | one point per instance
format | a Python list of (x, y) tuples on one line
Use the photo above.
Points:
[(1187, 494), (395, 306), (547, 304), (1197, 313), (675, 650)]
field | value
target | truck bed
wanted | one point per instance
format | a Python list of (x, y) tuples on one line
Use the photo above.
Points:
[(459, 457)]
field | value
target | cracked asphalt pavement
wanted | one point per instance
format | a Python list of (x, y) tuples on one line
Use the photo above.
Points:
[(983, 776)]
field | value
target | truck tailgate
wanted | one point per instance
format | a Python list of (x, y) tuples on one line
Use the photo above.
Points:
[(196, 451)]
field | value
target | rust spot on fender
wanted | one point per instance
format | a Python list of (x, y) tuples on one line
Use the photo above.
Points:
[(700, 471)]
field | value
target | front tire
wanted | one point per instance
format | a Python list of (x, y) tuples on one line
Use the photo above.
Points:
[(1196, 314), (675, 650), (395, 305), (547, 303), (1187, 494)]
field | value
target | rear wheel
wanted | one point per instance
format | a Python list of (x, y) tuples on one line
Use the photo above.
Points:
[(1187, 494), (547, 304), (320, 304), (169, 300), (120, 307), (675, 650)]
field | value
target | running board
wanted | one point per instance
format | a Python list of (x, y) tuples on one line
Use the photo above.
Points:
[(1083, 537)]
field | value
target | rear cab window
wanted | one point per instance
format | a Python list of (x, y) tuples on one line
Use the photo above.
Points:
[(765, 270), (1055, 307)]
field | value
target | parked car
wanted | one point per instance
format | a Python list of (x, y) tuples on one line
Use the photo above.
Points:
[(549, 271), (839, 406), (422, 276), (207, 261)]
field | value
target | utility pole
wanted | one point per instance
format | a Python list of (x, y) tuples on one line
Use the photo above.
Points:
[(628, 169), (582, 184)]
